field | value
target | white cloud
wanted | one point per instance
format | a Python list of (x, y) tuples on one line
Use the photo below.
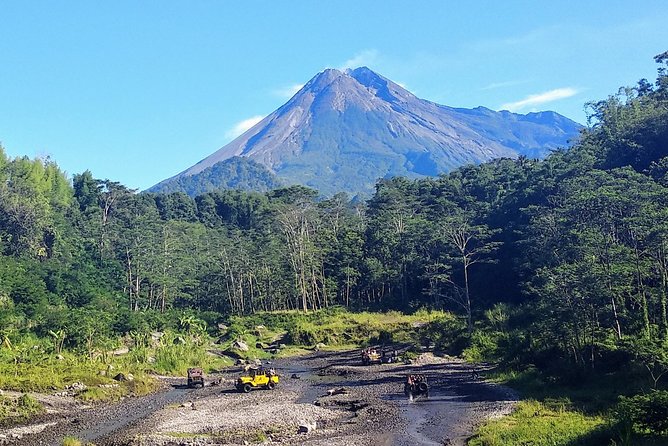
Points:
[(289, 91), (242, 126), (364, 58), (495, 85), (540, 98)]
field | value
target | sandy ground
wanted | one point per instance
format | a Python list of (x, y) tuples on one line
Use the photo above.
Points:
[(371, 410)]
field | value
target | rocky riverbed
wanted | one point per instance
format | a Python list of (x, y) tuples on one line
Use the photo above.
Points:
[(323, 399)]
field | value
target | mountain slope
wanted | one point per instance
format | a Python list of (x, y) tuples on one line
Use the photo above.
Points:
[(344, 130), (233, 173)]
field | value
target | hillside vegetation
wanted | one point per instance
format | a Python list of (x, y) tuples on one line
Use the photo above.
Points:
[(557, 270)]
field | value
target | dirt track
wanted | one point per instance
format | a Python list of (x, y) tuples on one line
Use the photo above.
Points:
[(373, 411)]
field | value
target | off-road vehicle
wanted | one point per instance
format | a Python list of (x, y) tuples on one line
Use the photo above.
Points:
[(195, 377), (257, 378), (370, 356), (416, 385)]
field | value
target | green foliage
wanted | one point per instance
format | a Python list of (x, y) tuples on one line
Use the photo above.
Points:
[(484, 346), (559, 266), (19, 409), (238, 173), (71, 441), (645, 413), (536, 424)]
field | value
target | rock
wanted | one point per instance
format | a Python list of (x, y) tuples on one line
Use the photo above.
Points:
[(120, 377), (223, 327), (306, 426), (282, 346), (295, 376), (77, 387), (233, 354), (240, 362), (156, 336), (130, 377), (121, 351), (150, 360), (339, 391), (260, 327), (240, 345), (260, 345), (60, 357), (319, 346)]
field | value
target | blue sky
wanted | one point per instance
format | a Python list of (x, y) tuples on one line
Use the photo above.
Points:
[(137, 91)]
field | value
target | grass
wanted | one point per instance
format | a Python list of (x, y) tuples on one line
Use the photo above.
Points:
[(336, 328), (71, 441), (562, 414), (18, 409), (534, 423)]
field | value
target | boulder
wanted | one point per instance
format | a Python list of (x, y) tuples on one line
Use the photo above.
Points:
[(77, 387), (339, 391), (306, 426), (121, 351), (239, 345), (156, 336), (121, 377), (233, 354)]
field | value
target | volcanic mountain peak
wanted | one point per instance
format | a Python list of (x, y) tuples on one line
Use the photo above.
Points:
[(345, 129)]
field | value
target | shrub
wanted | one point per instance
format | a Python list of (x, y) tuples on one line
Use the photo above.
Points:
[(645, 413), (28, 404), (484, 346), (71, 441)]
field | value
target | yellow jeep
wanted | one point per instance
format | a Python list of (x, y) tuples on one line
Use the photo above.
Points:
[(257, 378), (370, 356)]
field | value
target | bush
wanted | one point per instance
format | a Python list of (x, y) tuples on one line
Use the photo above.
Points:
[(484, 346), (645, 413), (71, 441)]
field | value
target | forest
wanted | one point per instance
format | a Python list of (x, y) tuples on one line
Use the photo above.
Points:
[(559, 265)]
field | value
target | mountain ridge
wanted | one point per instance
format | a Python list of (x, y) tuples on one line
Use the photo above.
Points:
[(345, 129)]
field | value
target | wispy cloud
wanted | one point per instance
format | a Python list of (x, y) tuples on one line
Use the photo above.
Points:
[(495, 85), (287, 92), (540, 98), (363, 58), (242, 126)]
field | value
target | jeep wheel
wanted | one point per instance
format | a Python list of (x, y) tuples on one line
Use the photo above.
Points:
[(271, 385), (247, 388)]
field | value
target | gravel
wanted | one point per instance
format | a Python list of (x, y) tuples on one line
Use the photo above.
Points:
[(336, 399)]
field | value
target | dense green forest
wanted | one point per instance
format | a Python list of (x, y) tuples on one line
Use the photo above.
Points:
[(560, 264)]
